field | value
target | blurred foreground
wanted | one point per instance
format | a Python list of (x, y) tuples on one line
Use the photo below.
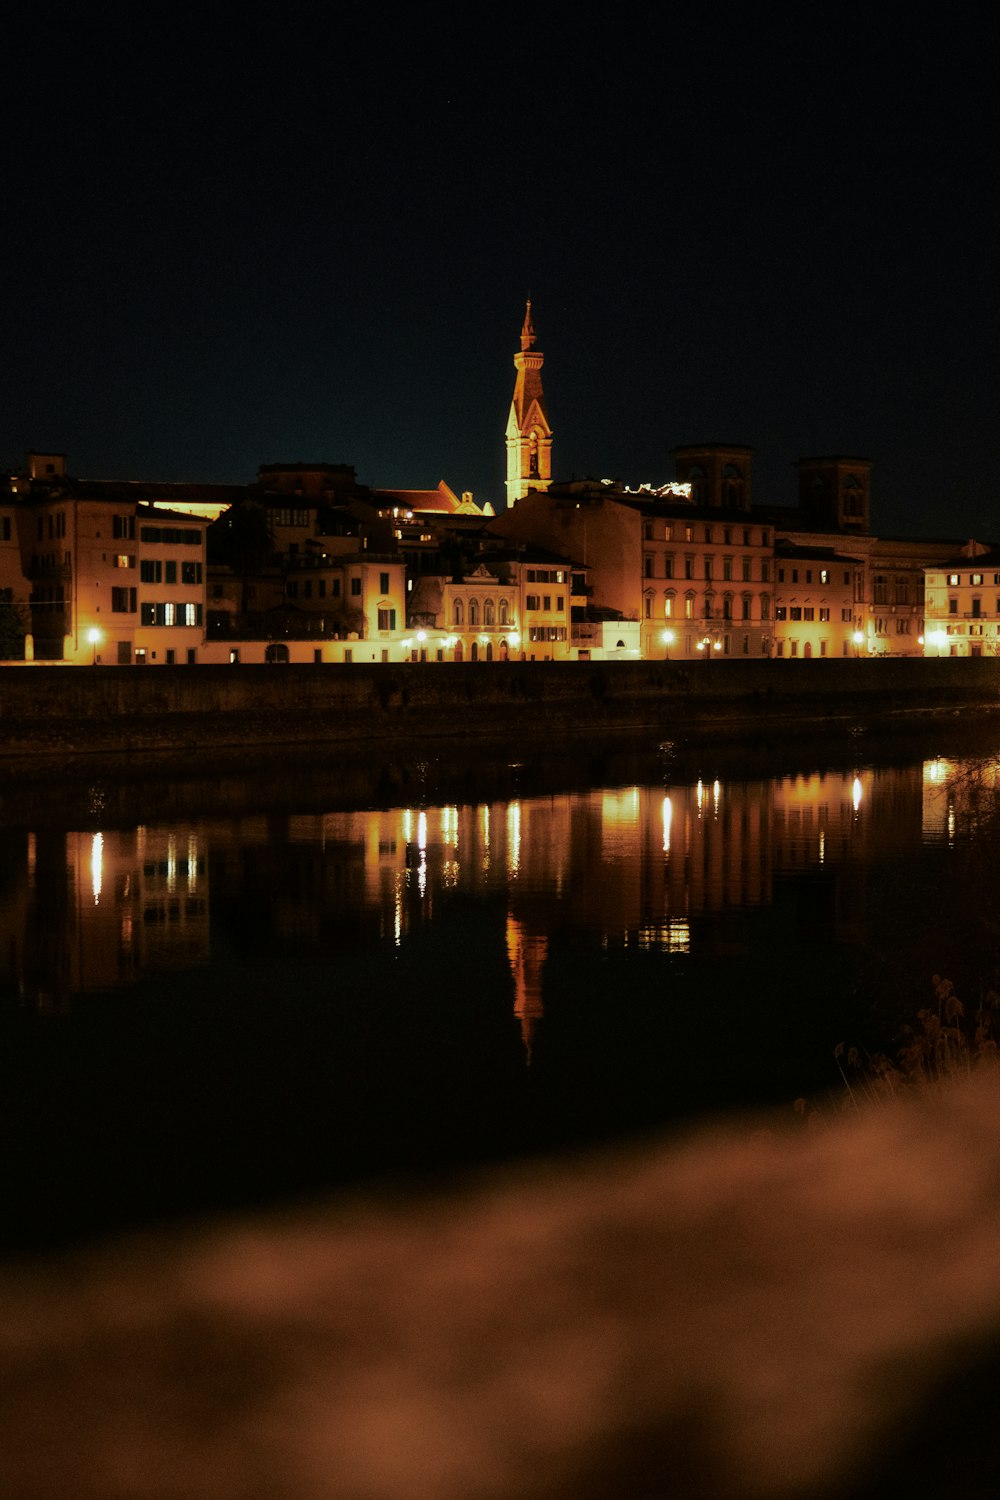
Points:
[(754, 1312)]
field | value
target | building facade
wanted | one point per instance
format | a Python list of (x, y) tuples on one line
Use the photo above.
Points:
[(114, 577), (818, 602), (962, 609)]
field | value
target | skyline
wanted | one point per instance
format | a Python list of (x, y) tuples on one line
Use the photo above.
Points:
[(229, 250)]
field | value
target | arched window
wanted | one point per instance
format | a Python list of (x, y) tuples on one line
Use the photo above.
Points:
[(708, 607), (459, 613), (504, 616), (727, 606), (488, 614), (489, 650), (473, 612), (458, 650), (732, 485), (668, 607), (689, 606), (747, 603), (474, 652)]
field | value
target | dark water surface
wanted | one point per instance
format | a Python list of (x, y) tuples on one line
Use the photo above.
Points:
[(222, 990)]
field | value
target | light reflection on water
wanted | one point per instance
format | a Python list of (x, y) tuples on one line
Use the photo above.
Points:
[(201, 1012), (625, 867)]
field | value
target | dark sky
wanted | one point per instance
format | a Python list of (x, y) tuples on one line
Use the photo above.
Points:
[(237, 237)]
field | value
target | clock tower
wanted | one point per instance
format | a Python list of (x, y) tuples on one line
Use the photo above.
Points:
[(529, 436)]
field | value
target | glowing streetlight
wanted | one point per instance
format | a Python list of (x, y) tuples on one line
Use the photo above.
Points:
[(858, 640), (668, 637), (94, 637)]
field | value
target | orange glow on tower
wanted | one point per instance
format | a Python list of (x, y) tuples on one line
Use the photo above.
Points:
[(529, 436)]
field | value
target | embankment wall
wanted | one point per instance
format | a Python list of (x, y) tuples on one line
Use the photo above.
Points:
[(79, 709)]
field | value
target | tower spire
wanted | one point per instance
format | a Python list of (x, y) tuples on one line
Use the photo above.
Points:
[(527, 330), (528, 434)]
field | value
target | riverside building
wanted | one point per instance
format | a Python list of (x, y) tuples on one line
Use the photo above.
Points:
[(115, 571), (963, 604), (308, 565)]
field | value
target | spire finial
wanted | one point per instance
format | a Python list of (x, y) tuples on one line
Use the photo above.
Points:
[(527, 331)]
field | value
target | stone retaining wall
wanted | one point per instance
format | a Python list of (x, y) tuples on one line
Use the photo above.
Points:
[(58, 709)]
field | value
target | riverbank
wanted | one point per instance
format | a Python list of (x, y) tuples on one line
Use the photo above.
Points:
[(78, 711)]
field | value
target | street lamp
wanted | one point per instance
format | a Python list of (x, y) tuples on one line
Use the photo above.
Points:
[(94, 637), (668, 639), (858, 640)]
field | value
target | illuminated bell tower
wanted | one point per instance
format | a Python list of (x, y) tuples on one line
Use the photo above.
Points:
[(529, 436)]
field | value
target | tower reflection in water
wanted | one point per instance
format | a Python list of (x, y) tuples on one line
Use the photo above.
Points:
[(621, 868)]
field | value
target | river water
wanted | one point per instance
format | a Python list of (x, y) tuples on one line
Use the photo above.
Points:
[(229, 990)]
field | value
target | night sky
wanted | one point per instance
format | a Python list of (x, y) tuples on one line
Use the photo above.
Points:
[(236, 238)]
